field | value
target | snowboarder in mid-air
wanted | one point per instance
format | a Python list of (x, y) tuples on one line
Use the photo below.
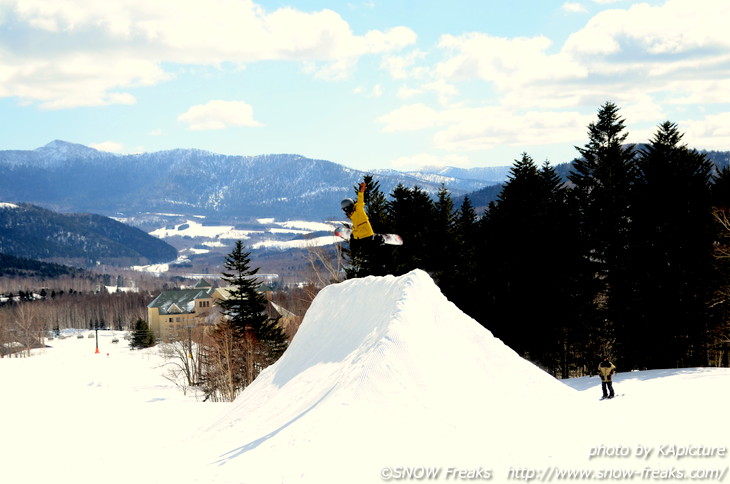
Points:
[(362, 232), (606, 369), (359, 232), (366, 247)]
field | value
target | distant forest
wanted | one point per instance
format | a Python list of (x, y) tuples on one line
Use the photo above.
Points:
[(11, 266), (32, 232), (627, 258)]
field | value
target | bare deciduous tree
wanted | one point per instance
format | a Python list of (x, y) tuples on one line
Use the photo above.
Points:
[(28, 327), (222, 379), (325, 265), (183, 357)]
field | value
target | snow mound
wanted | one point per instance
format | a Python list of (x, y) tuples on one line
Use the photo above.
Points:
[(383, 371)]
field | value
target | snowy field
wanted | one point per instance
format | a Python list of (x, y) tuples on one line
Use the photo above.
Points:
[(385, 381), (193, 238)]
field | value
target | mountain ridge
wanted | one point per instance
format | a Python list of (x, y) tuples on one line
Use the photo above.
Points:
[(31, 232), (69, 177)]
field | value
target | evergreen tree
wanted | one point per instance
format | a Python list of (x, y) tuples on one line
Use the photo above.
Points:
[(528, 249), (603, 180), (721, 188), (142, 336), (442, 260), (246, 339), (526, 258), (674, 270), (412, 213), (508, 248), (466, 293), (376, 206)]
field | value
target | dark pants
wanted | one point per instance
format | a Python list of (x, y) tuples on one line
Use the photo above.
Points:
[(607, 386), (367, 244), (368, 253)]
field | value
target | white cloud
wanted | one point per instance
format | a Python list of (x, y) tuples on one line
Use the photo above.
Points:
[(219, 114), (488, 127), (122, 44), (373, 92), (483, 128), (444, 91), (642, 31), (421, 160), (711, 133), (508, 63), (413, 117), (641, 108), (690, 91), (407, 92), (643, 57), (415, 162), (405, 66), (84, 79), (573, 7), (109, 146), (675, 50)]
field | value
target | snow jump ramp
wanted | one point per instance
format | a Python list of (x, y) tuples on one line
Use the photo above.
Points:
[(384, 371)]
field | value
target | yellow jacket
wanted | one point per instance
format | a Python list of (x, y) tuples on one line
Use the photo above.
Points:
[(360, 223), (606, 369)]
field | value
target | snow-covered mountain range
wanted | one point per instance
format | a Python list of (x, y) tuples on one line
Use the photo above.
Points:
[(70, 177)]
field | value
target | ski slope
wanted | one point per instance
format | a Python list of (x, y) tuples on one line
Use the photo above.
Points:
[(385, 380)]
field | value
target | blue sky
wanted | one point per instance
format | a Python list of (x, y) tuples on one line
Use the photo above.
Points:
[(368, 84)]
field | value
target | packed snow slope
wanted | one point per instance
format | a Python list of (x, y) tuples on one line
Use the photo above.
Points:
[(70, 415), (385, 378), (383, 371)]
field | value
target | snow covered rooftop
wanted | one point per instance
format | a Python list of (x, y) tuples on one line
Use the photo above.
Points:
[(179, 300)]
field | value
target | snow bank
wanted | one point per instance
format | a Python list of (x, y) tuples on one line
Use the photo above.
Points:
[(383, 371), (385, 375)]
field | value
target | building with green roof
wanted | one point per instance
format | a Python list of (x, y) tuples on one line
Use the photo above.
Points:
[(172, 312)]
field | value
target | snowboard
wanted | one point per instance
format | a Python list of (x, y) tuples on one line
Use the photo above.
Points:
[(615, 396), (389, 239)]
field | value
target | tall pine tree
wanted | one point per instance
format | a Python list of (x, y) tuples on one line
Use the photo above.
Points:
[(466, 293), (443, 259), (674, 270), (411, 212), (603, 180), (246, 339), (525, 257)]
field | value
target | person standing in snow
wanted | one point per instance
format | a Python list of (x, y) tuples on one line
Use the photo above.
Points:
[(362, 232), (606, 369)]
